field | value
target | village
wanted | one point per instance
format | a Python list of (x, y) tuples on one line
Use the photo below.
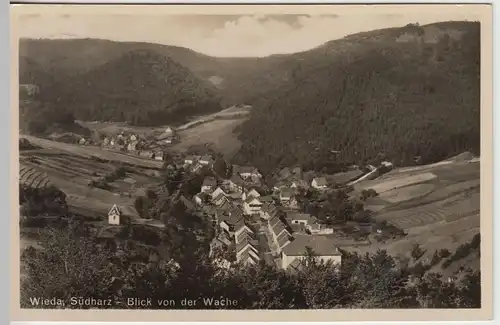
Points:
[(147, 147), (256, 221)]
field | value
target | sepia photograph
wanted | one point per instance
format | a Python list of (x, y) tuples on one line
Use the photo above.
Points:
[(251, 158)]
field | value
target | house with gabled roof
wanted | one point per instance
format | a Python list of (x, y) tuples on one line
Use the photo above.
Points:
[(189, 160), (300, 218), (279, 231), (286, 194), (252, 205), (251, 193), (323, 246), (247, 246), (229, 218), (246, 172), (218, 191), (319, 183), (206, 160), (209, 184), (114, 215), (236, 184), (268, 210)]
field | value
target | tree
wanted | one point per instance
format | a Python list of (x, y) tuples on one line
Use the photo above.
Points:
[(417, 252), (142, 205), (69, 264)]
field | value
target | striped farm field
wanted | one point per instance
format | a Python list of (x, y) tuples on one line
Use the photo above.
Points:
[(85, 164), (59, 165), (31, 177)]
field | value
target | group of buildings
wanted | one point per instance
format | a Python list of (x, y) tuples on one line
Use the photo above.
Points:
[(254, 222), (151, 147)]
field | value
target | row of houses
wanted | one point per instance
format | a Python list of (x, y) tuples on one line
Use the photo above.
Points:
[(241, 213)]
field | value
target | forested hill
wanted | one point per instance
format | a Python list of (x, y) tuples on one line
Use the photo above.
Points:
[(398, 93), (239, 80), (141, 87)]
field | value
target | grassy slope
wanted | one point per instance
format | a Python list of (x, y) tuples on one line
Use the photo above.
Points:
[(445, 217)]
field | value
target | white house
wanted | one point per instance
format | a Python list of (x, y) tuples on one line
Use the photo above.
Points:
[(209, 183), (386, 164), (132, 138), (206, 161), (246, 172), (132, 146), (322, 246), (252, 205), (218, 191), (319, 183), (82, 141), (189, 160), (300, 218), (114, 215), (251, 193)]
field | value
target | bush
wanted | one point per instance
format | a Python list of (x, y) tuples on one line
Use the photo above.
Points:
[(444, 253), (417, 252), (435, 258)]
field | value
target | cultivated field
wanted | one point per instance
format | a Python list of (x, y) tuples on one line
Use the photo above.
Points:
[(73, 173), (437, 206), (93, 152)]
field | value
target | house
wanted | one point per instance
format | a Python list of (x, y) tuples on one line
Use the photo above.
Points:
[(279, 231), (236, 184), (169, 131), (114, 215), (230, 218), (197, 199), (252, 205), (217, 192), (189, 160), (221, 241), (148, 154), (246, 172), (206, 160), (159, 155), (132, 146), (300, 218), (209, 184), (112, 142), (105, 141), (132, 138), (323, 247), (220, 200), (297, 172), (268, 210), (319, 183), (284, 173), (286, 194), (247, 245), (82, 141), (386, 164), (251, 193)]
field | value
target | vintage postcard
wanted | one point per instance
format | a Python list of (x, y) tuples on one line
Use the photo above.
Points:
[(234, 162)]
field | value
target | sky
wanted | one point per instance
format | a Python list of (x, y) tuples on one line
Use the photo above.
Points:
[(223, 35)]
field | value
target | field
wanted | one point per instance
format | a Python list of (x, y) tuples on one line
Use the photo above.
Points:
[(92, 152), (218, 132), (216, 129), (72, 173), (437, 206)]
